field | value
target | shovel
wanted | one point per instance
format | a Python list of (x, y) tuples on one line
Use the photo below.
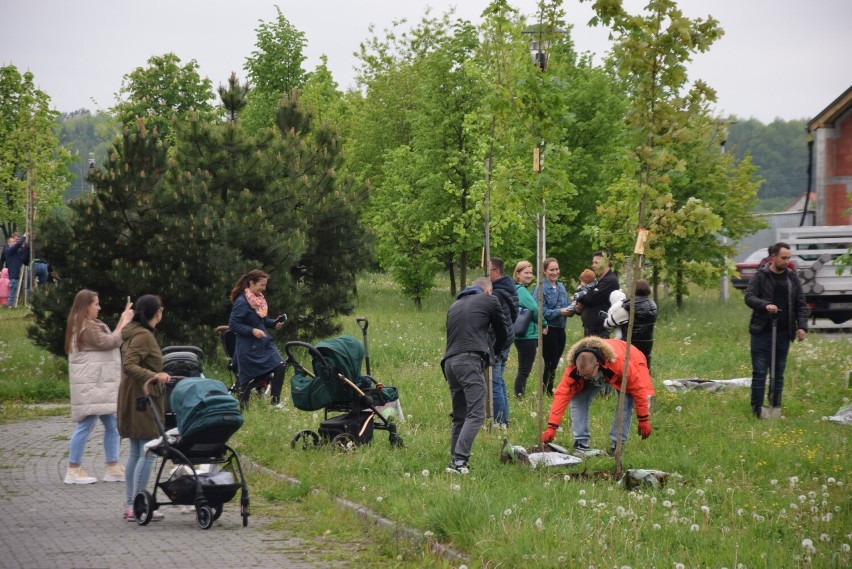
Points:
[(772, 412), (363, 324)]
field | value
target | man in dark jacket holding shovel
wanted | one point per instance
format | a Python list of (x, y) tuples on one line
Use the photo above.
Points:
[(779, 314)]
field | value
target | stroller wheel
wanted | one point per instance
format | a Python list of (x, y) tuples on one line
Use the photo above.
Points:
[(217, 511), (307, 439), (204, 517), (143, 507), (395, 441), (344, 442)]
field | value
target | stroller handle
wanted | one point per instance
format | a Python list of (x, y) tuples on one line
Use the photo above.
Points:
[(172, 380), (313, 351)]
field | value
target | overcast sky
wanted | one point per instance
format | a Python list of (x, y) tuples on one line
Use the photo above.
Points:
[(785, 59)]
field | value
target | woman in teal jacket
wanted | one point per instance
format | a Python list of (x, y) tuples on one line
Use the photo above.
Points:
[(527, 341)]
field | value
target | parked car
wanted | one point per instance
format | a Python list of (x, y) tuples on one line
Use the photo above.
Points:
[(748, 267)]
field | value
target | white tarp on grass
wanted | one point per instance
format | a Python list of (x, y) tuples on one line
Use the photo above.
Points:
[(693, 384)]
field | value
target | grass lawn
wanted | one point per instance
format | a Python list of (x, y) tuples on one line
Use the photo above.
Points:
[(742, 492)]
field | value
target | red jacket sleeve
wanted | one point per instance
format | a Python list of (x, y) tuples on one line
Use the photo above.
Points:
[(565, 392)]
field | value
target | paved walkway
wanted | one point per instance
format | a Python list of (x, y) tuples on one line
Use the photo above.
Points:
[(45, 523)]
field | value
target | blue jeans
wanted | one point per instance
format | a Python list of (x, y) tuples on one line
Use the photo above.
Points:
[(580, 415), (498, 388), (112, 440), (40, 272), (13, 290), (761, 356), (465, 375), (137, 470)]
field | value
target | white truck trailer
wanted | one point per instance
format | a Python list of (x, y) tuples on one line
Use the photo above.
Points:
[(814, 251)]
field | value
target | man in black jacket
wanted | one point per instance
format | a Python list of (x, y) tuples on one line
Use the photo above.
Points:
[(469, 349), (507, 294), (774, 292), (597, 300)]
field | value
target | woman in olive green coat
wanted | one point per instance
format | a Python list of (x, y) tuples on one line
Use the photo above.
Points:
[(141, 360)]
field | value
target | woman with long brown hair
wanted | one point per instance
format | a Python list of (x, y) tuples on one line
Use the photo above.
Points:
[(255, 352), (94, 370), (142, 361)]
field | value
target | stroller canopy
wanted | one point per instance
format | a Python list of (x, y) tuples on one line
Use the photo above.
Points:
[(200, 404), (345, 354)]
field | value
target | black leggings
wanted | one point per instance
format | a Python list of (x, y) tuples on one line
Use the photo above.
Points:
[(276, 385), (526, 358)]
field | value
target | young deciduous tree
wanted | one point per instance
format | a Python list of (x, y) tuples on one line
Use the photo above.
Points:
[(30, 155), (163, 91), (274, 69), (678, 186), (417, 110)]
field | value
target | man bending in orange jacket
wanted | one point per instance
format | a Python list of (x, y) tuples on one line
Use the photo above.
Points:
[(595, 363)]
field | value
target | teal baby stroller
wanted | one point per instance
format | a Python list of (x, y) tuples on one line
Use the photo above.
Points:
[(207, 471), (360, 404)]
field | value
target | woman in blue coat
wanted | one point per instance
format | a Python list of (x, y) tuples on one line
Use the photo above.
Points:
[(255, 353)]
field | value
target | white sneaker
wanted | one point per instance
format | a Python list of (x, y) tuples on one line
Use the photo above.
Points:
[(114, 474), (78, 476)]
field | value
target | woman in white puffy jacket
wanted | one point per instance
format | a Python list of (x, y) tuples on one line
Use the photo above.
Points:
[(643, 321), (94, 369)]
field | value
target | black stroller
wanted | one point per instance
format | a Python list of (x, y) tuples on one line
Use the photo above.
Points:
[(180, 362), (206, 416), (336, 385), (257, 386)]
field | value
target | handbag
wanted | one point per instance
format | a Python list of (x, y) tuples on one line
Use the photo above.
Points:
[(522, 322)]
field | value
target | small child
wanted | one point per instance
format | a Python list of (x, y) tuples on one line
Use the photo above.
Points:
[(587, 281), (4, 287)]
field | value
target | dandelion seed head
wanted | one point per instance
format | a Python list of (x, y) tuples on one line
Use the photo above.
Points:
[(694, 527), (705, 509), (582, 502), (507, 512), (425, 472)]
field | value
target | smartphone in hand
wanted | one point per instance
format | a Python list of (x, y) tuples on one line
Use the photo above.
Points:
[(281, 319)]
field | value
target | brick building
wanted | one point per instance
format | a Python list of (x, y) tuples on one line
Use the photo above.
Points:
[(831, 130)]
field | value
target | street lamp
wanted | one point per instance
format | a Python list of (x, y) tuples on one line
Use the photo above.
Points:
[(91, 171), (539, 50)]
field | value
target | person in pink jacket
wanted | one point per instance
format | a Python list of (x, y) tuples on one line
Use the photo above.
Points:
[(4, 287), (597, 362)]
